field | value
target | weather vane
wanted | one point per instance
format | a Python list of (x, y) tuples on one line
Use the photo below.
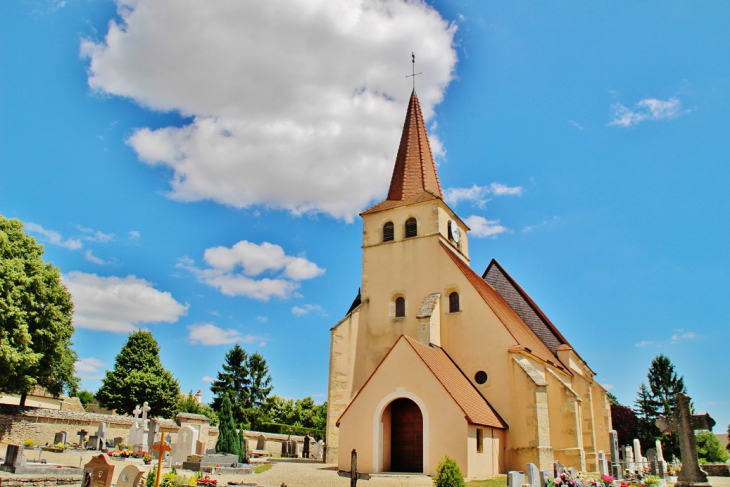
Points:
[(413, 56)]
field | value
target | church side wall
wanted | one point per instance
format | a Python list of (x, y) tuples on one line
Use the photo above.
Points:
[(602, 418), (565, 424), (488, 462)]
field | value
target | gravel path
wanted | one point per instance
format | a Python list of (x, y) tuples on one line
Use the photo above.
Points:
[(325, 475)]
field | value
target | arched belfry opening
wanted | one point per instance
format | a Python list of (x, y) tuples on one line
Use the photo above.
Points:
[(405, 448)]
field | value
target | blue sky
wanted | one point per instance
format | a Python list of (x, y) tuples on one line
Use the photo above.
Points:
[(198, 171)]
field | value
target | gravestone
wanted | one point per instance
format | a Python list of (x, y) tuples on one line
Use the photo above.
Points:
[(602, 465), (198, 463), (98, 472), (152, 435), (637, 455), (185, 446), (653, 464), (293, 449), (82, 436), (685, 424), (14, 458), (515, 478), (316, 451), (261, 442), (285, 449), (616, 470), (131, 476), (118, 441), (93, 443), (60, 437), (661, 463), (544, 476), (629, 459), (101, 434), (199, 447), (305, 448), (558, 468), (533, 475)]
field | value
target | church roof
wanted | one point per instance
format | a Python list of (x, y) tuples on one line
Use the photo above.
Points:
[(476, 408), (414, 174), (519, 330)]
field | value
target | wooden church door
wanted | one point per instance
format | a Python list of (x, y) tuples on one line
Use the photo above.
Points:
[(406, 438)]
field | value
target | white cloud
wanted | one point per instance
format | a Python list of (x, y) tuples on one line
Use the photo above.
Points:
[(683, 336), (608, 387), (575, 124), (233, 270), (211, 335), (647, 109), (478, 194), (119, 304), (89, 255), (90, 368), (644, 343), (134, 235), (207, 378), (262, 319), (481, 227), (54, 237), (295, 105), (308, 308)]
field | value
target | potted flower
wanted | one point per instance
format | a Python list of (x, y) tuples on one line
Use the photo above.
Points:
[(146, 458)]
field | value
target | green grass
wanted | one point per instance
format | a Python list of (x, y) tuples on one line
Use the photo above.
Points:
[(262, 468), (498, 481)]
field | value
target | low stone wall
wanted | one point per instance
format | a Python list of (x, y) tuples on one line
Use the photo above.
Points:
[(33, 481), (273, 441), (716, 469)]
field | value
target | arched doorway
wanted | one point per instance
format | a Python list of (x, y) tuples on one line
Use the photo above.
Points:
[(406, 436)]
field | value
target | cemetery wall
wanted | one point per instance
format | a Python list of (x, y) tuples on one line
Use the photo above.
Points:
[(273, 441)]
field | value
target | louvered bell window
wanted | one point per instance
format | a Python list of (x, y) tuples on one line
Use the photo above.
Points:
[(388, 232), (411, 228)]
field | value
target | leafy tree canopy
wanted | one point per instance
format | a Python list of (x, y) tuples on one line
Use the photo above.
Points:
[(246, 381), (35, 318), (188, 404), (139, 376), (85, 397), (623, 419), (710, 448), (303, 412)]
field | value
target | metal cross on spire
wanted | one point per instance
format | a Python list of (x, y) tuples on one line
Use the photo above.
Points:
[(413, 60)]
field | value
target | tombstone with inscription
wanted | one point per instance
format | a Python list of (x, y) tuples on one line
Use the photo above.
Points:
[(533, 475), (515, 478), (261, 442), (185, 446), (616, 470), (602, 464), (14, 459), (685, 424), (98, 472), (131, 476), (199, 447), (60, 437)]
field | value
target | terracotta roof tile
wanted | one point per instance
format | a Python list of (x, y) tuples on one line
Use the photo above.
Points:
[(388, 204), (476, 408), (511, 320)]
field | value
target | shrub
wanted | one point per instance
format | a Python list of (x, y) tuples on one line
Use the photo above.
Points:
[(448, 474), (151, 477), (709, 448)]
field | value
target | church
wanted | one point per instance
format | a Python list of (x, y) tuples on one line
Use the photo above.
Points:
[(433, 359)]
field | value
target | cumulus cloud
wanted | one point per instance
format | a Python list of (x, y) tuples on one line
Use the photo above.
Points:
[(683, 335), (90, 368), (134, 235), (236, 271), (479, 195), (647, 109), (54, 237), (211, 335), (308, 308), (207, 378), (481, 227), (119, 304), (294, 105)]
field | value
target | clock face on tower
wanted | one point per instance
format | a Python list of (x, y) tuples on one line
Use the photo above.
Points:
[(454, 229)]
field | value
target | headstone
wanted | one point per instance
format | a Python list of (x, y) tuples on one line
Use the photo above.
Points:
[(158, 448), (199, 447), (616, 470), (131, 476), (82, 436), (544, 476), (261, 442), (93, 443), (602, 464), (515, 478), (637, 455), (185, 446), (59, 437), (285, 449), (558, 468), (198, 463), (98, 472), (101, 434), (661, 463), (533, 475), (293, 449), (118, 440), (629, 459), (316, 451), (305, 447), (685, 424), (152, 434), (651, 459), (14, 458)]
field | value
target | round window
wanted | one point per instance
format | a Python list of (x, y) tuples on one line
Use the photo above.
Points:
[(480, 377)]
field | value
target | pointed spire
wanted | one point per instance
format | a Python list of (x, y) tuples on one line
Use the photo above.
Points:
[(415, 170)]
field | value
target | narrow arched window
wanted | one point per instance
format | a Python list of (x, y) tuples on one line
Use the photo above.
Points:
[(453, 302), (411, 228), (400, 307), (388, 232)]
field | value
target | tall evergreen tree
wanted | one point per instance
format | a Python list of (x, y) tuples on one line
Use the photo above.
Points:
[(246, 381), (35, 318), (228, 439), (139, 376)]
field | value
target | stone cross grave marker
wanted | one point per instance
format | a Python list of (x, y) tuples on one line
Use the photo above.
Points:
[(185, 446), (616, 470), (261, 442), (533, 475), (14, 458), (515, 478), (131, 476), (685, 424), (82, 436), (305, 448), (98, 472)]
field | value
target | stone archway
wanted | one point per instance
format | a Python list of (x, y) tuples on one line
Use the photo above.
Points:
[(406, 436)]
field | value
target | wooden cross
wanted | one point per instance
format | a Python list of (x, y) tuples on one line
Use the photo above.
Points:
[(353, 473), (413, 56), (162, 448), (685, 424)]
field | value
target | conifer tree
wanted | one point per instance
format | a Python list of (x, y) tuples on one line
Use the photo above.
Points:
[(35, 318), (139, 377), (228, 439), (243, 451)]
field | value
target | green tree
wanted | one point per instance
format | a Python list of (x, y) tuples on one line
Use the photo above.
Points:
[(612, 400), (228, 439), (448, 474), (709, 447), (188, 404), (139, 377), (85, 397), (35, 318), (246, 381)]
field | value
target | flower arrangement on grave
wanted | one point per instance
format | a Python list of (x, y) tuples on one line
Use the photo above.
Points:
[(29, 443), (146, 458), (607, 479), (651, 480), (60, 446), (526, 485)]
